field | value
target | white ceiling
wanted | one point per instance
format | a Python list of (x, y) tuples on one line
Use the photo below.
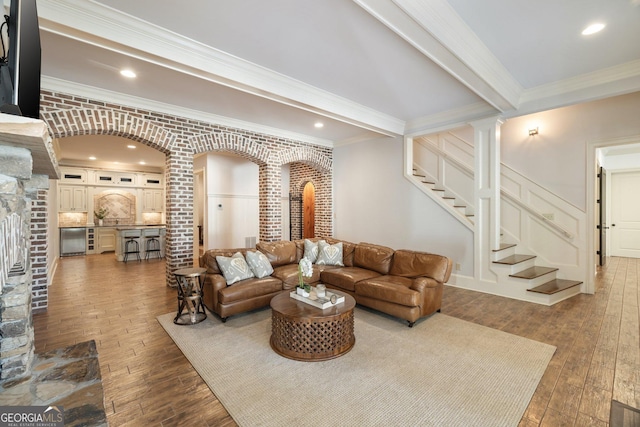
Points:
[(365, 68)]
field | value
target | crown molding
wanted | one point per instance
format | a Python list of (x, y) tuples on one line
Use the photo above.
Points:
[(612, 81), (71, 88), (439, 33), (100, 25)]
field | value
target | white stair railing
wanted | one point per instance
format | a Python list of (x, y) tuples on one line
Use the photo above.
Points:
[(540, 222)]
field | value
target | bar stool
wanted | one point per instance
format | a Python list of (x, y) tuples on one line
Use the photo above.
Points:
[(152, 243), (190, 290), (131, 246)]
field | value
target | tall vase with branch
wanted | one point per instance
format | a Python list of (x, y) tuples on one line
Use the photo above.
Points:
[(101, 214), (305, 269)]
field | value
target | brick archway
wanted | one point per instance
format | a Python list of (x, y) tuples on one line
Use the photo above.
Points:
[(307, 156), (180, 138), (73, 122)]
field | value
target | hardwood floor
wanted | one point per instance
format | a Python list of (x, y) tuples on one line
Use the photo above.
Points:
[(148, 382)]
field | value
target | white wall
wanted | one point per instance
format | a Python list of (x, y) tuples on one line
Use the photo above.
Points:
[(231, 201), (556, 157), (374, 203)]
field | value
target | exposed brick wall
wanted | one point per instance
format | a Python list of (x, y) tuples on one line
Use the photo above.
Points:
[(39, 245), (300, 174), (180, 138)]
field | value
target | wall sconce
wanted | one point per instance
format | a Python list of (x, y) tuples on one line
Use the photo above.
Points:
[(533, 131)]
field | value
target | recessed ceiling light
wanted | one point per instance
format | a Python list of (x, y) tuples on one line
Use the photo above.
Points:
[(592, 29), (142, 162), (128, 73), (319, 125), (92, 158), (131, 146)]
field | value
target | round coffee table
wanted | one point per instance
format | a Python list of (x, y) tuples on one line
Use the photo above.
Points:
[(301, 331)]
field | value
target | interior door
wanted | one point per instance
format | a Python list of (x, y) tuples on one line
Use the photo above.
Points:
[(602, 223), (625, 214), (309, 208)]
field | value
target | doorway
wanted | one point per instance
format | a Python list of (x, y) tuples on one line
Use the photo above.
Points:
[(625, 214), (309, 211)]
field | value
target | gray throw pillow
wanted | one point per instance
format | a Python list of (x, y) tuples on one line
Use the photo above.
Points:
[(234, 268), (259, 264), (311, 250), (329, 254)]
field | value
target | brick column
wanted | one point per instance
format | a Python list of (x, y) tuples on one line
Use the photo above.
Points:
[(38, 192), (179, 213), (270, 202)]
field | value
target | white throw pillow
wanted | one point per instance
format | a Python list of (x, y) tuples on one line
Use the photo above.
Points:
[(259, 264), (234, 268), (311, 250), (329, 254)]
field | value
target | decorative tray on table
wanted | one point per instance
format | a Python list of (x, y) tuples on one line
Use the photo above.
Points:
[(322, 303)]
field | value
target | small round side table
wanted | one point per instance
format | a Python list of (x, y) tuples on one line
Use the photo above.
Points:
[(190, 287)]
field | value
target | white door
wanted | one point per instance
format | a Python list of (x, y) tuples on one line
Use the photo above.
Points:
[(625, 214)]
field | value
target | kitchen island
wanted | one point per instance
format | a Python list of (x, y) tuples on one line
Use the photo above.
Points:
[(140, 234)]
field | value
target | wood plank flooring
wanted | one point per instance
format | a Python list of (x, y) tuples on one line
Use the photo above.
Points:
[(148, 382)]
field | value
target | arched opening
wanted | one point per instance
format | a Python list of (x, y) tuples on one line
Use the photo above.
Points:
[(309, 211)]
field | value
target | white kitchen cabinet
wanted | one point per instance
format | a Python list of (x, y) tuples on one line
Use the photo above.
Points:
[(73, 175), (106, 240), (152, 200), (124, 179), (151, 180), (72, 198)]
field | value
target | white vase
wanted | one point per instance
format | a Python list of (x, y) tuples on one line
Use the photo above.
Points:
[(301, 291), (100, 222)]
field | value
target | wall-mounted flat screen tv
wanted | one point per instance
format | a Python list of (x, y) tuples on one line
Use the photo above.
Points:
[(20, 61)]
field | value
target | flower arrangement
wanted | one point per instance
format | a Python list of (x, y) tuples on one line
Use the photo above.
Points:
[(101, 213), (304, 269)]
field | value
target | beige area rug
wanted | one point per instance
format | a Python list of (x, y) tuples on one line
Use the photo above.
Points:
[(442, 372)]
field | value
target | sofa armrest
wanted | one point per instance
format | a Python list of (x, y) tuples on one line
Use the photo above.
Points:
[(430, 293), (420, 284), (212, 284)]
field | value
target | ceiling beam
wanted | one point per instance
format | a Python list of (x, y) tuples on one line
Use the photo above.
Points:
[(436, 30)]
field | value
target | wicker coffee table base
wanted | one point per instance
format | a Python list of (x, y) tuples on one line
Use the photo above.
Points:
[(312, 339)]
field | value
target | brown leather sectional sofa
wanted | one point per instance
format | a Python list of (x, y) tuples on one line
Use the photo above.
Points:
[(402, 283)]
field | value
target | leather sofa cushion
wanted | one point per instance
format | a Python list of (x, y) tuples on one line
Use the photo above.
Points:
[(393, 289), (346, 277), (247, 289), (408, 263), (278, 253), (288, 274), (208, 259), (373, 257)]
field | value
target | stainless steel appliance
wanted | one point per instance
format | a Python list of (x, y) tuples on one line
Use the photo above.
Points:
[(73, 241)]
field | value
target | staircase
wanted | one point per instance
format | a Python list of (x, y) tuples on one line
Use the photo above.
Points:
[(457, 205), (518, 274), (538, 279)]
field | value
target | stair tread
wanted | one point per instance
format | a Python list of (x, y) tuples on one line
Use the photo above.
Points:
[(504, 246), (420, 176), (533, 272), (514, 259), (555, 286)]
